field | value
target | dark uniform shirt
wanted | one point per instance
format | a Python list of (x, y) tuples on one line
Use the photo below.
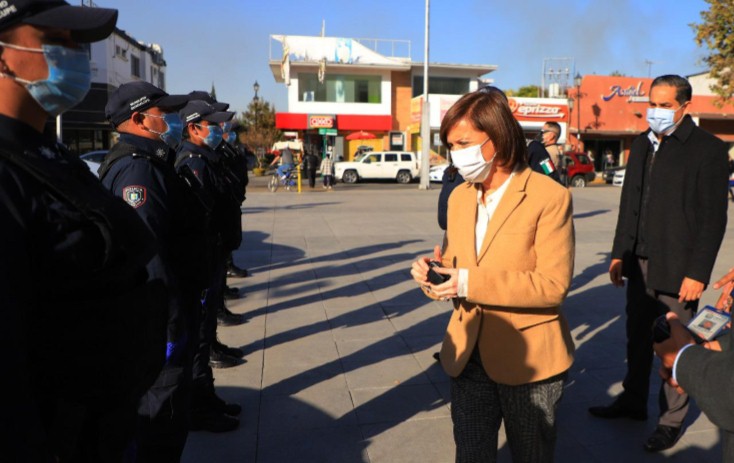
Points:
[(74, 295)]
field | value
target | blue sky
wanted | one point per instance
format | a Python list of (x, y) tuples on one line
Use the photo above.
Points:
[(227, 41)]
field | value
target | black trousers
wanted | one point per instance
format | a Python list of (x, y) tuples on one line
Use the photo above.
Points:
[(311, 178), (212, 302), (480, 405), (644, 305)]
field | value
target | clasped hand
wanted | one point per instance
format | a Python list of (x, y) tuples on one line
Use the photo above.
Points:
[(446, 290)]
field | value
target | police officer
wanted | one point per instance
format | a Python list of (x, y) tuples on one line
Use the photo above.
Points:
[(197, 154), (78, 333), (139, 169), (236, 161)]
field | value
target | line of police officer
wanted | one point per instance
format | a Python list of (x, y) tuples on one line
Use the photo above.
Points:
[(105, 336)]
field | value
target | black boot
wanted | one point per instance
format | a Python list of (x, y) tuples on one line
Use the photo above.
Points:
[(218, 359), (236, 272), (225, 349), (231, 293), (227, 318)]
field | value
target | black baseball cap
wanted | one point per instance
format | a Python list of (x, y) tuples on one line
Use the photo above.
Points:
[(199, 110), (139, 96), (205, 96), (87, 24)]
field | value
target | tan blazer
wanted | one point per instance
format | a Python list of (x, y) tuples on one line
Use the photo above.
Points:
[(516, 284)]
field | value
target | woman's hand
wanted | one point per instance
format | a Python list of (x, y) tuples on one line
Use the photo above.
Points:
[(448, 289), (419, 269)]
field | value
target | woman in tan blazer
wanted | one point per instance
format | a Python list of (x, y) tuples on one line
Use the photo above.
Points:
[(508, 257)]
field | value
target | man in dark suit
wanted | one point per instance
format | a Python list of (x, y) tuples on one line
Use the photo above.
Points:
[(672, 218)]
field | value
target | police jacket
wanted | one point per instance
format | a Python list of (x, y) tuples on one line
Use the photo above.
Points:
[(217, 189), (685, 216), (235, 163), (540, 161), (79, 329)]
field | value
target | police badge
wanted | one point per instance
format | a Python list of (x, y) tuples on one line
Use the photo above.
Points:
[(134, 195)]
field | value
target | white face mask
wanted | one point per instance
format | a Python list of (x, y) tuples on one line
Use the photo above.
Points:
[(471, 164)]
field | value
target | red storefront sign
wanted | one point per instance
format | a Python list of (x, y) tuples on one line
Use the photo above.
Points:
[(534, 111), (321, 121)]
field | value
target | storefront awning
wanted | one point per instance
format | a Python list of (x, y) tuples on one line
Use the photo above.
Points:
[(344, 122)]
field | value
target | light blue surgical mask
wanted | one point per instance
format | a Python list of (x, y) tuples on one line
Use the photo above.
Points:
[(226, 126), (215, 135), (231, 137), (661, 119), (174, 133), (68, 81)]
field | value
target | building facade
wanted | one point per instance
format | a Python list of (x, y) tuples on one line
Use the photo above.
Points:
[(114, 61), (345, 94)]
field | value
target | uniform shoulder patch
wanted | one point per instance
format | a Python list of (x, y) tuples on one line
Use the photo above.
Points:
[(135, 195)]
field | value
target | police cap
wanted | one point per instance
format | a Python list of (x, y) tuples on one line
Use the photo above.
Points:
[(205, 96), (199, 110), (139, 96), (85, 23)]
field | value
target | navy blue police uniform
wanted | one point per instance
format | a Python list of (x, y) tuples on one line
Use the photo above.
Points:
[(140, 171), (80, 316), (204, 163)]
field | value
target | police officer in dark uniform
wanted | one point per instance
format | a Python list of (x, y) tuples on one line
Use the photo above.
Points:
[(139, 169), (78, 331), (236, 160), (197, 154)]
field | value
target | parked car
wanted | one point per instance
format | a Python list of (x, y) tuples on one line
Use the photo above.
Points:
[(435, 173), (579, 169), (619, 177), (399, 165), (93, 159)]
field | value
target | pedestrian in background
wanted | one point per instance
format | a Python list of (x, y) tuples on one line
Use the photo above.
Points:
[(327, 171), (507, 263), (311, 164)]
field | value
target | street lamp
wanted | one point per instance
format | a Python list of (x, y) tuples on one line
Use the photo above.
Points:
[(577, 81), (255, 99)]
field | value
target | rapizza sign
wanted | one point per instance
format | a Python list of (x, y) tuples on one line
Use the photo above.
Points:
[(529, 110)]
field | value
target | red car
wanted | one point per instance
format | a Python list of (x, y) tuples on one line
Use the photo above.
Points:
[(579, 169)]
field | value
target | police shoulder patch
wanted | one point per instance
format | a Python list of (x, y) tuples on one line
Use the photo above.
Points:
[(134, 195)]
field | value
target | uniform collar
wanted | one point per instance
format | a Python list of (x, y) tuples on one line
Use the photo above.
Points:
[(155, 148), (21, 135)]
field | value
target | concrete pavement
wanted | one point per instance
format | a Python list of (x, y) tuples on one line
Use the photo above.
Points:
[(339, 341)]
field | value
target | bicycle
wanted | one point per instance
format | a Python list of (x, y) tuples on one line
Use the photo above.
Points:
[(287, 181)]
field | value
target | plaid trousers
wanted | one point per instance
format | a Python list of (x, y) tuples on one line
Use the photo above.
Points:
[(479, 405)]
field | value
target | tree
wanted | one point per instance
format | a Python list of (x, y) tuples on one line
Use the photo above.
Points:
[(717, 32), (531, 91), (213, 92), (618, 74), (259, 123)]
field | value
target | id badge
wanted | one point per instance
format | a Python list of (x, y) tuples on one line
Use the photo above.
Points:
[(708, 323)]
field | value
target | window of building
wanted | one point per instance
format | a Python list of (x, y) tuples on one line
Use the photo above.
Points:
[(135, 66), (121, 52), (441, 85), (340, 88), (161, 80)]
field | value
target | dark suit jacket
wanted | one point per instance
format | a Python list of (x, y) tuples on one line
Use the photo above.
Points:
[(686, 214), (536, 155), (708, 376)]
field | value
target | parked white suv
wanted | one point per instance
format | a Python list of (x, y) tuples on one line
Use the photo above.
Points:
[(400, 165)]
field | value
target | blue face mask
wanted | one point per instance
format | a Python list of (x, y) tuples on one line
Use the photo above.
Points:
[(661, 119), (226, 126), (68, 81), (231, 137), (174, 133), (215, 135)]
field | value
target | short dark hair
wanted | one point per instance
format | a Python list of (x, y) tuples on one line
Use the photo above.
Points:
[(683, 90), (555, 128), (488, 111)]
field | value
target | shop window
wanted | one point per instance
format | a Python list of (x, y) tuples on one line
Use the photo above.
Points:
[(441, 85), (340, 88)]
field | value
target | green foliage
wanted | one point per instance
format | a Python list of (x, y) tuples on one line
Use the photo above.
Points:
[(259, 125), (618, 74), (527, 91), (213, 92), (716, 31)]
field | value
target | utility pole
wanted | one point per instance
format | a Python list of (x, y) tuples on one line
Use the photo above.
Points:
[(425, 183)]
